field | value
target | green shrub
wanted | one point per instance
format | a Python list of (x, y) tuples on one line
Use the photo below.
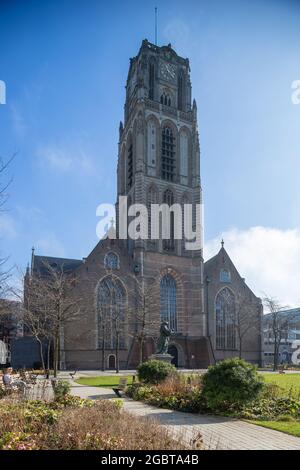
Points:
[(72, 401), (154, 371), (173, 393), (271, 408), (139, 392), (61, 388), (118, 402), (230, 383)]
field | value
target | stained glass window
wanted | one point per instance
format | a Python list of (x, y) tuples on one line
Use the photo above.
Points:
[(225, 320), (111, 312), (111, 260), (225, 275), (168, 311)]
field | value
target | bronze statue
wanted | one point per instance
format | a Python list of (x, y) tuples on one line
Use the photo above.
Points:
[(163, 340)]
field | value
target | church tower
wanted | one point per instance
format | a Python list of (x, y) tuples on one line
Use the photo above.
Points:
[(159, 162)]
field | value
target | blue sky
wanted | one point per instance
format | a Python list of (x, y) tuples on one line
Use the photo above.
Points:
[(65, 65)]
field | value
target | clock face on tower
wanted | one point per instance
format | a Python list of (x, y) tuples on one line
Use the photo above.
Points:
[(167, 71)]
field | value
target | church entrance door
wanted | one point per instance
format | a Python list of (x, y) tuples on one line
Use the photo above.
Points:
[(174, 352), (111, 362)]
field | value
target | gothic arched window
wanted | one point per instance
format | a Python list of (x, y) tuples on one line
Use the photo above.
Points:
[(181, 93), (184, 150), (151, 140), (152, 198), (168, 309), (225, 320), (168, 154), (151, 79), (225, 275), (166, 99), (111, 313), (111, 260), (184, 201), (168, 198), (129, 162)]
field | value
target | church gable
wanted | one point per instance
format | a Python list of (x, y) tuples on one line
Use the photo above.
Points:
[(220, 271), (233, 310)]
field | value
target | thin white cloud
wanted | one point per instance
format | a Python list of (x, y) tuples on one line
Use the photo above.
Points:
[(55, 158), (64, 159), (268, 258), (19, 124)]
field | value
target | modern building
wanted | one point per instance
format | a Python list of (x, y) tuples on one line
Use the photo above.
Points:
[(11, 327), (289, 322)]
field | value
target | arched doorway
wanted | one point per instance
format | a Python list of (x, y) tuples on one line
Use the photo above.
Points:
[(174, 352), (111, 361)]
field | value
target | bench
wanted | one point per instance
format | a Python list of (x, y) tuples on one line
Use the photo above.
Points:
[(121, 387)]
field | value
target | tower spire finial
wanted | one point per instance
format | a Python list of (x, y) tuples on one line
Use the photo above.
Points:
[(32, 258), (156, 26), (222, 243)]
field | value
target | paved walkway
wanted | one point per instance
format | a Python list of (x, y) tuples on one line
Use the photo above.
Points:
[(217, 432)]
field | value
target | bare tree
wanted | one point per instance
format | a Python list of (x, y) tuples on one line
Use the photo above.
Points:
[(144, 318), (49, 305), (111, 307), (118, 318), (247, 318), (4, 184), (62, 307), (37, 315), (278, 326)]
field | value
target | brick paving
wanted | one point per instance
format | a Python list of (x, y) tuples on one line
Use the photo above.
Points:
[(217, 432)]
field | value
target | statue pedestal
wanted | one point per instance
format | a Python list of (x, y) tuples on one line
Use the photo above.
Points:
[(162, 357)]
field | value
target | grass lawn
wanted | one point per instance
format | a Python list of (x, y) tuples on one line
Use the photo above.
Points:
[(289, 427), (108, 381), (286, 381)]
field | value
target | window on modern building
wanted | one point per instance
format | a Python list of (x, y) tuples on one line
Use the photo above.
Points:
[(168, 154), (225, 320), (111, 260), (168, 307), (225, 275), (111, 313), (168, 243)]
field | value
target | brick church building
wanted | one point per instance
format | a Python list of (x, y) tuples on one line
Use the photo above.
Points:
[(125, 287)]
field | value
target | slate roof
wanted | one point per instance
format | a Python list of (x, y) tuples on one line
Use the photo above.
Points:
[(68, 265)]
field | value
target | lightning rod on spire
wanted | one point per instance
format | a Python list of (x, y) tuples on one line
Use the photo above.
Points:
[(156, 26)]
